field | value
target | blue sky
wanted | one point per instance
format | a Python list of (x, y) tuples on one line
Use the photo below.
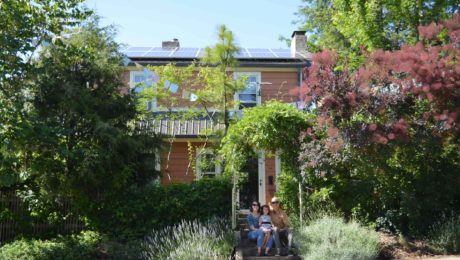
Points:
[(144, 23)]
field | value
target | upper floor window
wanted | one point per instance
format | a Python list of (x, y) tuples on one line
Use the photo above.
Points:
[(137, 84), (250, 96), (207, 164)]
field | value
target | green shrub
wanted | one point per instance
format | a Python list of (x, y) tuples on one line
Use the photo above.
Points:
[(212, 239), (445, 234), (82, 246), (139, 210), (331, 238)]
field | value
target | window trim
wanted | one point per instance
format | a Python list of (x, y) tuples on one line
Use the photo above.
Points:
[(201, 152), (258, 75)]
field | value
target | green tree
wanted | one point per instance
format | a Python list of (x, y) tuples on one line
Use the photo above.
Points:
[(85, 146), (26, 25), (351, 26)]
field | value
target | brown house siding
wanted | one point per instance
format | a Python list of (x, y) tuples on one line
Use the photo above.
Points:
[(283, 84), (270, 171), (175, 170)]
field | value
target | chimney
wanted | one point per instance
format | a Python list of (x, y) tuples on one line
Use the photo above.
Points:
[(298, 43), (170, 44)]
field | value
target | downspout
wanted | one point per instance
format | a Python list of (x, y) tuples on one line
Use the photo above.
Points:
[(300, 177)]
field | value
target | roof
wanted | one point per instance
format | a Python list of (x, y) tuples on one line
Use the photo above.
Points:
[(195, 127), (196, 53)]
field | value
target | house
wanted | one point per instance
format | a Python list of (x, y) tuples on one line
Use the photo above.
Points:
[(271, 74)]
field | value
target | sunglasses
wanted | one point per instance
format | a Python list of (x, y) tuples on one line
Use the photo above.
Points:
[(255, 204), (275, 202)]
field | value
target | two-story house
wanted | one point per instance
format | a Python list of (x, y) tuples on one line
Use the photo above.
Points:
[(271, 74)]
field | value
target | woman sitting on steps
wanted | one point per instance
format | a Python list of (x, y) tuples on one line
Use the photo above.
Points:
[(255, 233)]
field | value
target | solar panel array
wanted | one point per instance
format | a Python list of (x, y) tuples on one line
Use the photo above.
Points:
[(245, 53)]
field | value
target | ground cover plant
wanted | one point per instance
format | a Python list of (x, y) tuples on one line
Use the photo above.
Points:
[(211, 239), (330, 237), (81, 246)]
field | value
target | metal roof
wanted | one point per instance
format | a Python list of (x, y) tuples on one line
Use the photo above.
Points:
[(195, 127), (196, 53)]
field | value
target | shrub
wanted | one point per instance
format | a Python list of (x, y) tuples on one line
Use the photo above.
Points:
[(212, 239), (331, 238), (138, 210), (82, 246), (445, 234)]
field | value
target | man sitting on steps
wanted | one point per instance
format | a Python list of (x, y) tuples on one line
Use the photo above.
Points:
[(280, 225)]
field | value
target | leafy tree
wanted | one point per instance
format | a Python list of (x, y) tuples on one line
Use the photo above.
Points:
[(84, 145), (351, 27), (387, 134), (26, 25)]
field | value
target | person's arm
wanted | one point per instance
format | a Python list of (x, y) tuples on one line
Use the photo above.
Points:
[(285, 220)]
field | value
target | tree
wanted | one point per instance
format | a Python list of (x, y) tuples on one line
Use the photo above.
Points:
[(26, 25), (387, 134), (84, 146), (351, 27)]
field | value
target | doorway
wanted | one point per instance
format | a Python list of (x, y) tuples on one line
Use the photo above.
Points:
[(252, 187)]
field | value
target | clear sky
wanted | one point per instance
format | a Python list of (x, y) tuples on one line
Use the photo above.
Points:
[(145, 23)]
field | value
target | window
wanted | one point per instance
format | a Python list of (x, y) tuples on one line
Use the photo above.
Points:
[(249, 97), (207, 164), (136, 81)]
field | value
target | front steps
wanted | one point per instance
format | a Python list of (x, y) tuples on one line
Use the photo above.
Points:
[(247, 250)]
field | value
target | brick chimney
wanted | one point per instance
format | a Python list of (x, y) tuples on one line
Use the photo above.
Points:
[(298, 43), (170, 44)]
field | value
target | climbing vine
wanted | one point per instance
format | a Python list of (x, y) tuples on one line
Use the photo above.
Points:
[(272, 127)]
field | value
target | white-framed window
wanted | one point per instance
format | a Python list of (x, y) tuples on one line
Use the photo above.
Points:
[(207, 164), (250, 96), (136, 78)]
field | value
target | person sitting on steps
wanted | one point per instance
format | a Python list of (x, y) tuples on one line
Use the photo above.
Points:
[(255, 233), (280, 223)]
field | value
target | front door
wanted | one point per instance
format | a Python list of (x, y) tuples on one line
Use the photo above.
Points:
[(249, 188), (253, 186)]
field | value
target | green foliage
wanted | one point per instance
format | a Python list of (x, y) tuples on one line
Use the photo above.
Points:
[(82, 148), (82, 246), (135, 212), (209, 80), (331, 238), (210, 239), (272, 127), (351, 27), (26, 25), (445, 234)]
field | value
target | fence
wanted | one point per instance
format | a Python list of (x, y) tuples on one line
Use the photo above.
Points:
[(16, 220)]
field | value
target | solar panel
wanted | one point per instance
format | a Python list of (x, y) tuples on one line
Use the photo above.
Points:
[(262, 55), (185, 52), (257, 50), (134, 53), (245, 53), (242, 55), (153, 54), (135, 49), (283, 54)]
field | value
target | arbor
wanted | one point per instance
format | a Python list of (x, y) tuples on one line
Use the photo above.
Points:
[(387, 134)]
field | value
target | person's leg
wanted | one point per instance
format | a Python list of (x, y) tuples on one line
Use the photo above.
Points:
[(260, 240), (255, 236), (269, 243), (289, 233), (276, 235)]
